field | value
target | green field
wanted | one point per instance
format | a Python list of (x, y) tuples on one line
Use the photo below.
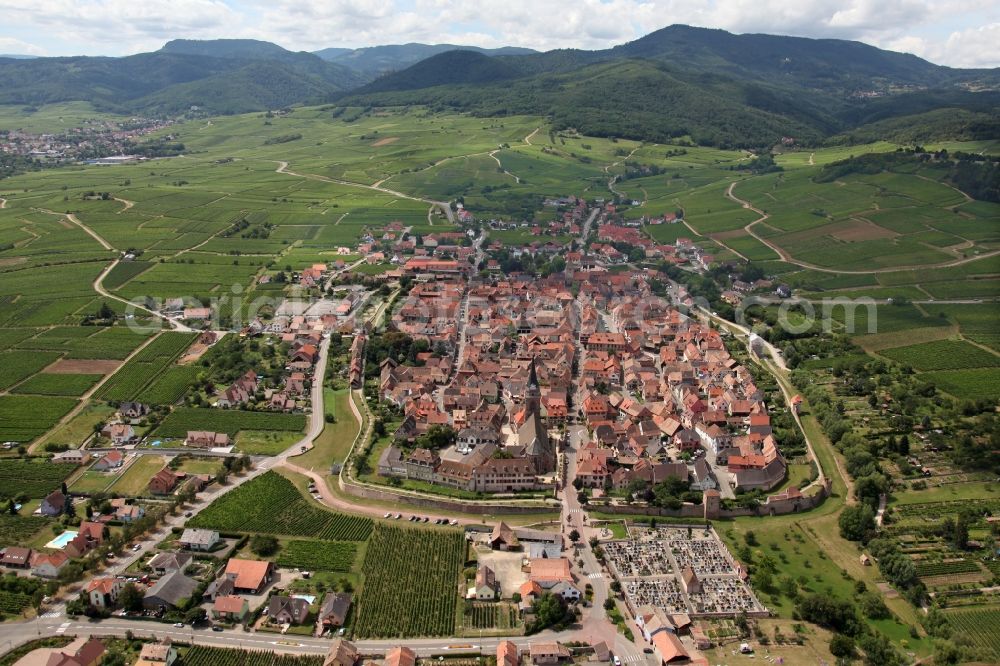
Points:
[(231, 421), (35, 477), (145, 368), (943, 355), (411, 583), (978, 626), (318, 555), (134, 480), (23, 418), (57, 384), (271, 504)]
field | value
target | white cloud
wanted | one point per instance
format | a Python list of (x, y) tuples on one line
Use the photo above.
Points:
[(948, 31), (13, 46), (975, 47)]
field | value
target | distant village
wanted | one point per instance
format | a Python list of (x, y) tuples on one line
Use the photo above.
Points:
[(98, 141)]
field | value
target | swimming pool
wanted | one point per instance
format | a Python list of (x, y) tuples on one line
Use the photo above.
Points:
[(61, 540)]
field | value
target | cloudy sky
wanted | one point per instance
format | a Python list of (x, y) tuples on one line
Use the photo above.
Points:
[(960, 33)]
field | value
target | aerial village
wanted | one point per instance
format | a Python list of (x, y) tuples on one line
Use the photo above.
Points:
[(517, 371)]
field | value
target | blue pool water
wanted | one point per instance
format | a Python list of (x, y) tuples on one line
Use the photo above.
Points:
[(61, 540)]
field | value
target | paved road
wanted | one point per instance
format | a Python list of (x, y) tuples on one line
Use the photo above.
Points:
[(595, 625)]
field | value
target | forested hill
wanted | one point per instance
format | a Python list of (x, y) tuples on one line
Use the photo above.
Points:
[(716, 87), (374, 61), (222, 76)]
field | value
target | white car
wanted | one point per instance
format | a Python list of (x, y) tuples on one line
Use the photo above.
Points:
[(179, 625), (618, 662)]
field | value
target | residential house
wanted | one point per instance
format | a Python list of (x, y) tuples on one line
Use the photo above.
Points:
[(48, 565), (169, 592), (162, 563), (341, 653), (157, 654), (16, 557), (110, 460), (163, 482), (120, 434), (400, 656), (553, 576), (133, 410), (203, 439), (333, 612), (103, 592), (486, 587), (249, 576), (545, 654), (130, 512), (89, 536), (54, 504), (72, 456), (81, 652), (230, 608), (668, 648), (287, 610), (198, 539), (507, 654)]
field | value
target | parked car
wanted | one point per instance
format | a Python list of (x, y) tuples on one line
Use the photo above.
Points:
[(179, 625), (216, 627)]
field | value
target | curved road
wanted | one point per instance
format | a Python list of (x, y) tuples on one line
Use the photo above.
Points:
[(444, 206)]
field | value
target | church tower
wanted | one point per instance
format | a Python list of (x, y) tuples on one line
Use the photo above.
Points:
[(532, 394)]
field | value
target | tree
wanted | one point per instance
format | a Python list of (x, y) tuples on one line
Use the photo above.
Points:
[(195, 615), (574, 536), (857, 522), (873, 606), (829, 612), (130, 598), (263, 545), (842, 646)]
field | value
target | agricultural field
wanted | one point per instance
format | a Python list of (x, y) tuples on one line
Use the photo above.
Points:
[(145, 367), (20, 529), (501, 616), (34, 477), (88, 342), (979, 627), (170, 386), (411, 583), (17, 366), (181, 420), (200, 655), (57, 384), (318, 555), (271, 504), (943, 355), (23, 418), (13, 603)]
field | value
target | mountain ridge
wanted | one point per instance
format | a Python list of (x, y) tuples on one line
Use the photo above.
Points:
[(714, 86)]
